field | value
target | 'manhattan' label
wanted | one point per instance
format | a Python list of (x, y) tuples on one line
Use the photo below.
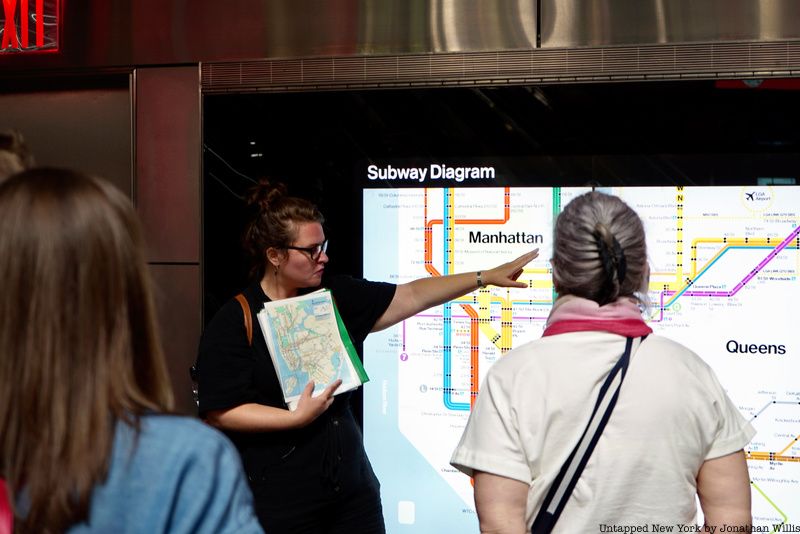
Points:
[(505, 237)]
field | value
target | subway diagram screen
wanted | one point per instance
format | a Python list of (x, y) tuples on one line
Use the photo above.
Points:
[(724, 264)]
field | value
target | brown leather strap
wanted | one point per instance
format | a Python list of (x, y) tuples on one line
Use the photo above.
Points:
[(248, 319)]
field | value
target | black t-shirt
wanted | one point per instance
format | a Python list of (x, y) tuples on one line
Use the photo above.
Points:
[(231, 373)]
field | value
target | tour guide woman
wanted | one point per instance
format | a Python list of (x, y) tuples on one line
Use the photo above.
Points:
[(307, 468)]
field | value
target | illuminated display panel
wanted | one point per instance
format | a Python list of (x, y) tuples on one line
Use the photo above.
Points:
[(541, 141), (724, 282)]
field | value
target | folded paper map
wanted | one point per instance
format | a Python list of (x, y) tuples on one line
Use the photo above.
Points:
[(308, 341)]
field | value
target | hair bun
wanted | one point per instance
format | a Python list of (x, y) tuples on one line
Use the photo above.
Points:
[(265, 194)]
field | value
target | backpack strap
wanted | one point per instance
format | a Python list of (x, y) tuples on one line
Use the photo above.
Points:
[(248, 319)]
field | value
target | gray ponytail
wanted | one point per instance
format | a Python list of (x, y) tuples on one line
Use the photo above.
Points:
[(599, 250)]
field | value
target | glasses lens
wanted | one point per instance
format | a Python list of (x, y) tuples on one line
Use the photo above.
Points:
[(319, 249)]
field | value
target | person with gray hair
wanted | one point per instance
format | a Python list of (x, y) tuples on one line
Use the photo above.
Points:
[(557, 442), (589, 260)]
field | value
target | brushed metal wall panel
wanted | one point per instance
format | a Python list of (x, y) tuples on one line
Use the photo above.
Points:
[(318, 69), (177, 296), (695, 57), (768, 56), (114, 33), (576, 23), (108, 33), (352, 68), (86, 129), (543, 65), (287, 71), (657, 59), (515, 63), (233, 71), (622, 59), (167, 194), (168, 145), (413, 67), (257, 71), (549, 62), (480, 64), (581, 60), (446, 66), (728, 56)]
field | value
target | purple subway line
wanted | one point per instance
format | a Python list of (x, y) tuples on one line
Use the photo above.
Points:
[(660, 308), (766, 260), (702, 293), (492, 317), (663, 294), (785, 243), (688, 294)]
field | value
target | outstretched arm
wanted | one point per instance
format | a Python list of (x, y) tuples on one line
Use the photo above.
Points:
[(423, 293), (723, 485)]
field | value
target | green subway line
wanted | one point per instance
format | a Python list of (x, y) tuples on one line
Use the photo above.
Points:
[(556, 203), (785, 519), (556, 211)]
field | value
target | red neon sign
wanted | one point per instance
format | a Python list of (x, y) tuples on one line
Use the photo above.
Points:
[(29, 26)]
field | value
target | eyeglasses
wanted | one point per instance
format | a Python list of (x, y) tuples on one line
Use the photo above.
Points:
[(314, 251)]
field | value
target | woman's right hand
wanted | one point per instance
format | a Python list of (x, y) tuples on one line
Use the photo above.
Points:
[(506, 275), (310, 407)]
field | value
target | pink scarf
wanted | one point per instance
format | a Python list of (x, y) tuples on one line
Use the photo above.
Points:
[(575, 314)]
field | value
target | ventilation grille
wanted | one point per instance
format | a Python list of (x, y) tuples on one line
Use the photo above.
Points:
[(539, 66)]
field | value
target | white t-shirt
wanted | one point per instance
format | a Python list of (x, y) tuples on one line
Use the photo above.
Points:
[(672, 415)]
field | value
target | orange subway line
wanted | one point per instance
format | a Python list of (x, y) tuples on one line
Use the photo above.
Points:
[(789, 446), (431, 270), (771, 456), (433, 222), (474, 352), (505, 328), (506, 212)]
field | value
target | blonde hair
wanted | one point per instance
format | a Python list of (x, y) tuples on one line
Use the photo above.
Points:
[(79, 347), (599, 250)]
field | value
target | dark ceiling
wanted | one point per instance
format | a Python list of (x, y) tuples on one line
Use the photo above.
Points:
[(656, 133), (663, 133)]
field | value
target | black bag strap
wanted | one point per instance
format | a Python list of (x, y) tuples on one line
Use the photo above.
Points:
[(570, 472)]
